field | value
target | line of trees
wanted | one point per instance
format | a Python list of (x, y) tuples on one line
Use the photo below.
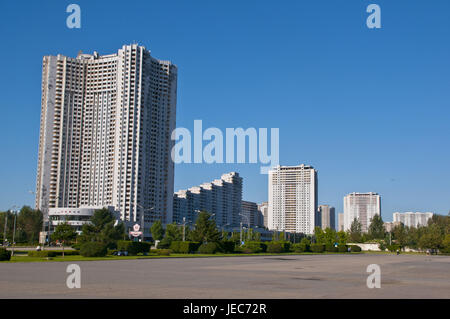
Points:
[(435, 235), (28, 225)]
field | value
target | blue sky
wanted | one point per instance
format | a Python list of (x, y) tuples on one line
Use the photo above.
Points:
[(369, 109)]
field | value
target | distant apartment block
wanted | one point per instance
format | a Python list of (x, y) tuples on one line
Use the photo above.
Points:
[(325, 217), (105, 133), (251, 216), (363, 206), (389, 226), (292, 199), (264, 209), (411, 219), (340, 222), (222, 197)]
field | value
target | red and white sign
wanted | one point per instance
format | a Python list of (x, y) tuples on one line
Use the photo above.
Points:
[(136, 232)]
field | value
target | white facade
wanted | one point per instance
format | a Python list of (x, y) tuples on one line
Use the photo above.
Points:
[(105, 136), (362, 206), (75, 217), (411, 219), (222, 197), (326, 217), (264, 209), (292, 199)]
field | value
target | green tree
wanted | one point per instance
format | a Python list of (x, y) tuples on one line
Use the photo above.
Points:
[(376, 228), (257, 236), (329, 236), (64, 233), (172, 233), (205, 229), (342, 237), (103, 228), (29, 224), (319, 235), (432, 239), (399, 234), (157, 230), (355, 233)]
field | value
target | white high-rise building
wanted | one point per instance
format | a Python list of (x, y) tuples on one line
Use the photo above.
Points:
[(105, 136), (325, 217), (340, 222), (292, 199), (362, 206), (222, 197), (411, 219), (264, 209)]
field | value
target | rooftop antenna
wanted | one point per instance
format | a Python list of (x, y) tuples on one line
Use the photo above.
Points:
[(79, 53)]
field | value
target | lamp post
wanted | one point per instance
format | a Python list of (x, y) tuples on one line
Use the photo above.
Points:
[(248, 224), (4, 231), (142, 218), (14, 231)]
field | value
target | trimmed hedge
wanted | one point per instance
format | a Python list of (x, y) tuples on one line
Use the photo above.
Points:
[(5, 254), (393, 248), (160, 252), (42, 253), (300, 248), (133, 247), (208, 248), (331, 248), (317, 248), (355, 248), (275, 247), (184, 247), (253, 247), (342, 248), (227, 246), (93, 249)]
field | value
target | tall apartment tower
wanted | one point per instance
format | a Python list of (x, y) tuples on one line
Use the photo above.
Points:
[(222, 197), (251, 216), (105, 133), (292, 199), (326, 217), (264, 209), (411, 219), (363, 206), (340, 222)]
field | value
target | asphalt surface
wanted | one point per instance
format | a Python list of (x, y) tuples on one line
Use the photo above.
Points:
[(303, 276)]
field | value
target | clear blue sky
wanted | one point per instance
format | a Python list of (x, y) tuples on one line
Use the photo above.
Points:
[(369, 109)]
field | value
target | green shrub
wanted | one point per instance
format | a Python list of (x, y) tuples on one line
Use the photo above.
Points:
[(4, 254), (133, 247), (66, 252), (227, 246), (342, 248), (253, 247), (331, 248), (382, 246), (208, 248), (300, 248), (160, 252), (275, 247), (317, 248), (393, 248), (93, 249), (184, 247), (42, 253), (355, 248)]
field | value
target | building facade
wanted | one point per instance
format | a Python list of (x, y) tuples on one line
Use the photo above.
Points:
[(411, 219), (292, 199), (251, 216), (340, 222), (325, 217), (264, 209), (362, 206), (222, 197), (105, 133)]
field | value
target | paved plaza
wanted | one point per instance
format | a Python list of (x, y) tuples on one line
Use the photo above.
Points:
[(293, 276)]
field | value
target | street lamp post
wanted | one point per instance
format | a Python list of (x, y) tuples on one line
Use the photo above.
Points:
[(142, 218), (14, 233), (248, 224), (4, 231)]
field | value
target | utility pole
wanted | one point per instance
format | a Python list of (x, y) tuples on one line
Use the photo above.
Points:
[(14, 233), (241, 233), (4, 231), (184, 228)]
